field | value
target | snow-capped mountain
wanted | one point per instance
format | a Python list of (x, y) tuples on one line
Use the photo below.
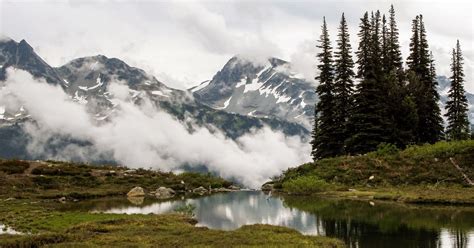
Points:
[(267, 90), (88, 81), (21, 55)]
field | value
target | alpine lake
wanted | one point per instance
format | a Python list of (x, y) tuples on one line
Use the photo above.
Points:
[(359, 223)]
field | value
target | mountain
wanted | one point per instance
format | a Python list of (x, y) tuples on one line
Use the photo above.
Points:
[(273, 90), (267, 90), (22, 56), (242, 96), (88, 80)]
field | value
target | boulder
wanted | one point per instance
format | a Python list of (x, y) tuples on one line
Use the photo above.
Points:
[(201, 190), (164, 193), (135, 192)]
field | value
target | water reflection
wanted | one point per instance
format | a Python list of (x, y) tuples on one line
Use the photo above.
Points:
[(355, 222)]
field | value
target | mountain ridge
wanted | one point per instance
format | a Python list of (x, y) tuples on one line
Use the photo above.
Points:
[(86, 80)]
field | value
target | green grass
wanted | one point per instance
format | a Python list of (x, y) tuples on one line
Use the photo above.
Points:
[(48, 226), (418, 172), (53, 179)]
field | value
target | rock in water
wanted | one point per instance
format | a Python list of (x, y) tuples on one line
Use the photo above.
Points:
[(137, 191), (201, 190), (164, 193)]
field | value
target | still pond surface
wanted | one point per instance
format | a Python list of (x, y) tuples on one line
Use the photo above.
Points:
[(358, 223)]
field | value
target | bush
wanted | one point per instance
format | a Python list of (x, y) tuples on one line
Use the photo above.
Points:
[(14, 166), (46, 182), (187, 209), (385, 149), (305, 185), (62, 170)]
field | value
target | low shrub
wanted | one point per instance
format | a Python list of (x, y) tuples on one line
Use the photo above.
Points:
[(46, 182), (305, 185), (14, 166), (385, 149), (62, 170)]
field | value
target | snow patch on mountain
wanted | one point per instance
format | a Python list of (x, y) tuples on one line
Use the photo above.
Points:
[(271, 89), (200, 86)]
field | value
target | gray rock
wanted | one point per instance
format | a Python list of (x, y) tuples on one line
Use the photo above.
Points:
[(164, 193), (201, 190), (135, 192)]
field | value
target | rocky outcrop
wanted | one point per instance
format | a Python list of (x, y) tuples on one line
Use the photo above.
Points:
[(136, 192), (164, 193), (201, 190)]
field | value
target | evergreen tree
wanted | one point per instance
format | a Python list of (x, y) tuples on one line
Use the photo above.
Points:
[(423, 86), (386, 63), (323, 144), (413, 59), (398, 99), (343, 85), (395, 60), (457, 106), (368, 127)]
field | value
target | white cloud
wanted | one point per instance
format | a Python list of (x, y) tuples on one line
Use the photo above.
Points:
[(191, 40), (141, 136)]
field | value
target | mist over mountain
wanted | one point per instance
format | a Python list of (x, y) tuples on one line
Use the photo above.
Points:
[(97, 109), (119, 108)]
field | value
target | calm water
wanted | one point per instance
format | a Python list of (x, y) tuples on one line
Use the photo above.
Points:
[(358, 223)]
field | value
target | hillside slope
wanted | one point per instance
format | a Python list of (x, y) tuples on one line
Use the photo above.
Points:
[(412, 173)]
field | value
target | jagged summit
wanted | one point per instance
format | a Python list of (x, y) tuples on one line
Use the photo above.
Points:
[(21, 55), (263, 90)]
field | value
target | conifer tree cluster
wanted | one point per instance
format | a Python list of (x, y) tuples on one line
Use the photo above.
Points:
[(388, 104)]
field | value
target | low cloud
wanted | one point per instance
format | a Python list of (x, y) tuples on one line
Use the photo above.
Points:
[(143, 136)]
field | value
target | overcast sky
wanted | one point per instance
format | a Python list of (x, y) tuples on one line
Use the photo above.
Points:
[(185, 42)]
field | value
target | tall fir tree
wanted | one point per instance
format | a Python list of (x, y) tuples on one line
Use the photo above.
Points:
[(423, 86), (398, 99), (395, 60), (386, 63), (367, 122), (457, 105), (413, 60), (323, 144), (343, 85)]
